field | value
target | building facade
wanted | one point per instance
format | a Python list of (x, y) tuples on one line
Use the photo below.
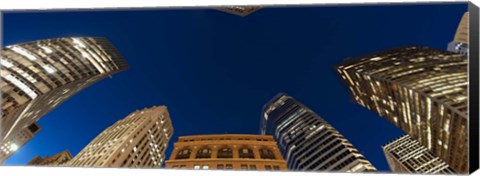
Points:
[(306, 141), (226, 152), (407, 155), (239, 10), (38, 76), (137, 141), (460, 41), (422, 91), (55, 160), (8, 148)]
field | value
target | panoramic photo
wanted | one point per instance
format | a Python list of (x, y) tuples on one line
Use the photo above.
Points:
[(345, 88)]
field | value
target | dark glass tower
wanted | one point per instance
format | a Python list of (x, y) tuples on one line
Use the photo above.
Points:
[(308, 142)]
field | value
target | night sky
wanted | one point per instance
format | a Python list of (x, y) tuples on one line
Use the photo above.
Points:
[(214, 71)]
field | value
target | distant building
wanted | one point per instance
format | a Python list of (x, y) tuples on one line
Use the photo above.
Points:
[(422, 91), (239, 10), (307, 142), (38, 76), (460, 42), (226, 152), (55, 160), (406, 155), (139, 140), (10, 147)]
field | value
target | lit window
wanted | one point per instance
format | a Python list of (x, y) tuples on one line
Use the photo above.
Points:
[(196, 167), (13, 147), (5, 63), (205, 167), (25, 53), (49, 69)]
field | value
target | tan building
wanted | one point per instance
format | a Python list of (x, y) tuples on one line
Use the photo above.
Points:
[(422, 91), (38, 76), (460, 41), (226, 152), (10, 147), (138, 140), (239, 10), (55, 160), (407, 155)]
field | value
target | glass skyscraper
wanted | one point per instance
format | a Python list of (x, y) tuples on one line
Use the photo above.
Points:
[(307, 142)]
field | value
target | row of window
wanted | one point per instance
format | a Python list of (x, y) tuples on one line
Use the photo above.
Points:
[(210, 139), (228, 167), (225, 153)]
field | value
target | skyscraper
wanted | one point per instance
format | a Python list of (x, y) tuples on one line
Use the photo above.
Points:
[(460, 41), (308, 142), (138, 140), (55, 160), (422, 91), (239, 10), (226, 152), (38, 76), (10, 147), (407, 155)]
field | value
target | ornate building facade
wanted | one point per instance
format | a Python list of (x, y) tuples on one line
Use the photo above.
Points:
[(55, 160), (226, 152)]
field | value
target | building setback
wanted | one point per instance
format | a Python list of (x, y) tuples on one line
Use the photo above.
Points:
[(306, 141), (10, 147), (239, 10), (55, 160), (138, 140), (38, 76), (226, 152), (422, 91), (407, 155), (460, 41)]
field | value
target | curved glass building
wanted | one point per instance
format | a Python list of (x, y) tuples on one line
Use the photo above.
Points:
[(38, 76)]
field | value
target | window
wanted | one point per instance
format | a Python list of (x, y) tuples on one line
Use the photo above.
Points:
[(276, 167), (253, 167), (204, 153), (268, 167), (183, 154), (243, 167), (220, 166), (266, 154), (225, 153), (245, 153), (183, 166), (196, 167), (174, 166), (205, 167), (229, 167)]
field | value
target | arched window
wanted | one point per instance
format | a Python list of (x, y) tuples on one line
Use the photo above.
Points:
[(183, 154), (266, 154), (225, 153), (245, 153), (204, 153)]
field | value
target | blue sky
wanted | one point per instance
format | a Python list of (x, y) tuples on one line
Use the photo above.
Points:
[(214, 71)]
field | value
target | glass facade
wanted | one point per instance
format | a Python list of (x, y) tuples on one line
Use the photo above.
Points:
[(422, 91), (38, 76), (308, 142), (406, 155), (139, 140)]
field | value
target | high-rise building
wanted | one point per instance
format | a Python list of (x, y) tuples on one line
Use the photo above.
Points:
[(239, 10), (55, 160), (38, 76), (407, 155), (460, 41), (138, 140), (308, 142), (422, 91), (11, 146), (226, 152)]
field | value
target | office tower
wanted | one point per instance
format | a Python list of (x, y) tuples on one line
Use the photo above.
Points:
[(460, 41), (406, 155), (226, 152), (422, 91), (306, 141), (239, 10), (55, 160), (38, 76), (138, 140), (8, 148)]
